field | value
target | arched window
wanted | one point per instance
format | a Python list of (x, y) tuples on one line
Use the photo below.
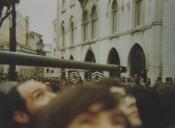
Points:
[(63, 4), (137, 60), (71, 57), (85, 26), (72, 32), (94, 22), (63, 34), (138, 12), (47, 70), (114, 16), (90, 57), (113, 58)]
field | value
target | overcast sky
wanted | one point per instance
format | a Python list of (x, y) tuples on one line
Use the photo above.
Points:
[(41, 15)]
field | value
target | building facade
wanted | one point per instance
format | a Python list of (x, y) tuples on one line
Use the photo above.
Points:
[(168, 43), (131, 33), (27, 42), (50, 72)]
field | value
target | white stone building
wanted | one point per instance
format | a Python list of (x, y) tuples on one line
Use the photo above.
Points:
[(28, 42), (168, 42), (137, 34), (50, 72)]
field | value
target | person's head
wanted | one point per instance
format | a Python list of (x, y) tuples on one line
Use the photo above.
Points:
[(127, 102), (25, 99), (141, 82), (166, 95), (3, 102), (83, 106), (148, 81), (5, 88), (148, 106), (35, 94), (159, 79), (169, 80)]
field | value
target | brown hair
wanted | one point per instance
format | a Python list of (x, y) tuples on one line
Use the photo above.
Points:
[(70, 103)]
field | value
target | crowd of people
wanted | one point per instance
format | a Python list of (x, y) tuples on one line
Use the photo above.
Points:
[(107, 103)]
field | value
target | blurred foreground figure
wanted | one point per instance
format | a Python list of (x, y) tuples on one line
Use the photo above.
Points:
[(4, 91), (166, 97), (127, 102), (82, 107), (23, 100)]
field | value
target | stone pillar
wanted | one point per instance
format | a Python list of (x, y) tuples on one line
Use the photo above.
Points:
[(168, 42)]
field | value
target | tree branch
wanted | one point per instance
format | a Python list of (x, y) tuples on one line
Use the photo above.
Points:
[(3, 18)]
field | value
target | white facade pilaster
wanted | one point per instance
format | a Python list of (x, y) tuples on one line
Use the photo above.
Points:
[(168, 43)]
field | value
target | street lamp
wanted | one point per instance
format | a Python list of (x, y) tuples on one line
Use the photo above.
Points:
[(12, 68)]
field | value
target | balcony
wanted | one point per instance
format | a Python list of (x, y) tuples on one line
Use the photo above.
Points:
[(41, 52)]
